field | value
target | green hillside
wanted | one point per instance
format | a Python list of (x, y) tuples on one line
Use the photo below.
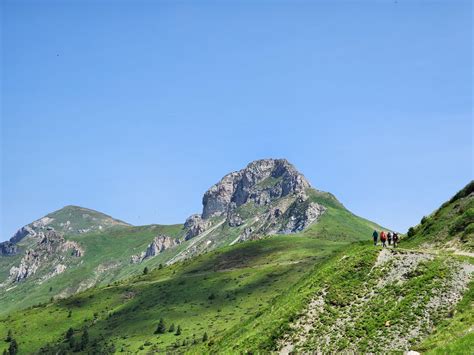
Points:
[(212, 292), (108, 251), (247, 298), (324, 289), (106, 259), (451, 226), (81, 218), (208, 294)]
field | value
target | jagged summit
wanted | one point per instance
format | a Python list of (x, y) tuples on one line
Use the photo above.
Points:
[(260, 181), (268, 196)]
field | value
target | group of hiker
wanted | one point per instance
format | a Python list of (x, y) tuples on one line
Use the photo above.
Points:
[(391, 238)]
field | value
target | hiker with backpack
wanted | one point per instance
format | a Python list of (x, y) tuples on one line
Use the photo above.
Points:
[(389, 238), (383, 239), (375, 235), (395, 239)]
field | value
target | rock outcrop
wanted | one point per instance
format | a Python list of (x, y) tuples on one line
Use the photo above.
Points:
[(157, 246), (8, 248), (46, 253), (195, 225), (269, 196), (260, 182)]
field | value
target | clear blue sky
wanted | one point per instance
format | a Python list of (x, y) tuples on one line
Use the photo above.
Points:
[(135, 108)]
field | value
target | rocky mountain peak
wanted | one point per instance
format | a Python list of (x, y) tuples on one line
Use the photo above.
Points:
[(268, 196), (261, 181)]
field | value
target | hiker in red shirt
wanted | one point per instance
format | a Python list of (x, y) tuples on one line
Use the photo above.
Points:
[(383, 239)]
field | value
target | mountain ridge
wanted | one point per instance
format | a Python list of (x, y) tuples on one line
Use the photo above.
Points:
[(267, 197), (70, 219)]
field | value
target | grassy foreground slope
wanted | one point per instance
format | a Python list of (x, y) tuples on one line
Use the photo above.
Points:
[(211, 294), (353, 303), (258, 296)]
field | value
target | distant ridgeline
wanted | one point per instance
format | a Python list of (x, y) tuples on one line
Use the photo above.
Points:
[(75, 248)]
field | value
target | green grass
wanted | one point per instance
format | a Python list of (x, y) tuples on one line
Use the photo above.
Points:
[(338, 224), (452, 225), (260, 332), (106, 259), (211, 293), (243, 296), (81, 218)]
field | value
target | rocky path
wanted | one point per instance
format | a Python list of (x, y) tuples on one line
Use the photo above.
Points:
[(307, 333)]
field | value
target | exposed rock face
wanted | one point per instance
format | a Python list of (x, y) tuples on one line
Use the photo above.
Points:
[(195, 225), (234, 219), (22, 233), (158, 245), (8, 248), (261, 181), (269, 196), (47, 252), (300, 215)]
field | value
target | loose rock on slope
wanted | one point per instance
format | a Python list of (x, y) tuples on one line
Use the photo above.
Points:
[(390, 272)]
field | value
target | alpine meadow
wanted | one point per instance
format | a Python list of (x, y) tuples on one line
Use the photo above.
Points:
[(236, 177)]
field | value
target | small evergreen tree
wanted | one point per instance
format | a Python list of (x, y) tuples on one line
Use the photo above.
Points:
[(13, 348), (204, 337), (145, 270), (161, 328), (171, 328), (160, 266), (69, 333), (9, 336), (178, 331), (69, 314), (50, 288), (72, 343), (411, 232), (84, 339)]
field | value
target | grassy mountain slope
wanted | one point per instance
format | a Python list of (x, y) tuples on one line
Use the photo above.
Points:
[(69, 220), (450, 226), (210, 293), (316, 290), (81, 218), (106, 258), (337, 223), (249, 296), (107, 251)]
